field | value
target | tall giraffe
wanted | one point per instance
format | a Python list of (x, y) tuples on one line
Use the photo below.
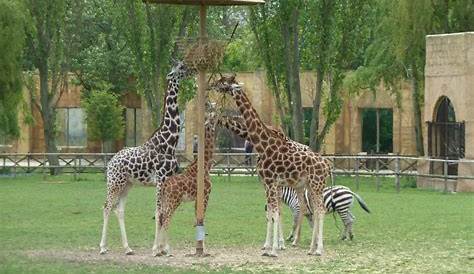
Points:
[(236, 124), (149, 164), (280, 164), (181, 188)]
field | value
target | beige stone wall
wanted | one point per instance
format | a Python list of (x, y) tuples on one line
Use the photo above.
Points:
[(346, 136), (449, 72)]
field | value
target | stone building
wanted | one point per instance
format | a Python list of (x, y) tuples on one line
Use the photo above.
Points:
[(346, 136), (449, 111)]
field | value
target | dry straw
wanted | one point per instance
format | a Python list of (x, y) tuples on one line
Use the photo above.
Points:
[(204, 56)]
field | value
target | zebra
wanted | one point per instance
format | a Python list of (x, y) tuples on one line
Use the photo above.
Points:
[(336, 199)]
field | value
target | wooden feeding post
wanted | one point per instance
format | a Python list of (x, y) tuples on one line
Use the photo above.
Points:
[(202, 56)]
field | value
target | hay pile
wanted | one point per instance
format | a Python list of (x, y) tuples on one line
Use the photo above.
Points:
[(205, 56)]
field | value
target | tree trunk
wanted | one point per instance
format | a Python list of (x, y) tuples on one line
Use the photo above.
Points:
[(297, 117), (48, 115), (417, 111), (155, 100), (288, 72), (314, 130), (263, 44)]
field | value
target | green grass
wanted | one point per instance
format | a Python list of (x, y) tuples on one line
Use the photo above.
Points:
[(411, 232)]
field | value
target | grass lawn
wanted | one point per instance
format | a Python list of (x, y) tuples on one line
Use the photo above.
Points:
[(54, 226)]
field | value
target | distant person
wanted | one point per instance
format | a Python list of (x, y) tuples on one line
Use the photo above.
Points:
[(248, 152), (195, 146)]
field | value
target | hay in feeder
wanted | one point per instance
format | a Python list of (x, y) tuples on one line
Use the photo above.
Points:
[(205, 56)]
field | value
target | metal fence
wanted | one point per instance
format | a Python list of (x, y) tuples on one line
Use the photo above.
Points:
[(378, 166)]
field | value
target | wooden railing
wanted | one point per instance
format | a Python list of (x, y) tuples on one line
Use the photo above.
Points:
[(395, 166)]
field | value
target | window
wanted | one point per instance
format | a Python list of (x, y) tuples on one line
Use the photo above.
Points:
[(133, 127), (4, 141), (182, 132), (377, 130), (71, 127), (307, 118)]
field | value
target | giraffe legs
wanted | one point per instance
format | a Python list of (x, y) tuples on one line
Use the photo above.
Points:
[(273, 220), (316, 247), (103, 241), (120, 212), (299, 218), (110, 204)]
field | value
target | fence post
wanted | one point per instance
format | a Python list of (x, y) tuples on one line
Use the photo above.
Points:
[(397, 173), (334, 171), (75, 169), (228, 166), (445, 165), (377, 179), (44, 166), (357, 164), (28, 156), (14, 166)]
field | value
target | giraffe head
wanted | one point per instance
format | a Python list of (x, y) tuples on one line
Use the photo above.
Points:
[(227, 84), (180, 71)]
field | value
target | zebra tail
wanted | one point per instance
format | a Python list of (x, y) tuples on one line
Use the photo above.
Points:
[(361, 202)]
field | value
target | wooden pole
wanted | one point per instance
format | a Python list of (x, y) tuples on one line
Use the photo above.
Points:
[(201, 135)]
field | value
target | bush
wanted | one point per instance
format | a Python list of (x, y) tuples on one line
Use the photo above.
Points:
[(103, 116)]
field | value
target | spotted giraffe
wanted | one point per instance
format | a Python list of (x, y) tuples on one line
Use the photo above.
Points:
[(182, 188), (280, 164), (149, 164), (236, 124)]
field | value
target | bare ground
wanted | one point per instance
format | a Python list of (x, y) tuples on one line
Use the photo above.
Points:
[(236, 258)]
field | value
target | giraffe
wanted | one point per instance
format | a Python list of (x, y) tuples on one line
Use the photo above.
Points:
[(236, 124), (181, 188), (280, 164), (149, 163)]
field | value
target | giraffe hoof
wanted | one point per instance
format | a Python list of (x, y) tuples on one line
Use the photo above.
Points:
[(103, 251), (271, 254), (129, 252), (315, 253)]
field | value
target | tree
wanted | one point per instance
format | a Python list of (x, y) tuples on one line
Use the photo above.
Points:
[(12, 25), (397, 51), (338, 31), (103, 117), (45, 47)]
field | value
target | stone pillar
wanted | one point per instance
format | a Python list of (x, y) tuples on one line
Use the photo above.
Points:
[(449, 72)]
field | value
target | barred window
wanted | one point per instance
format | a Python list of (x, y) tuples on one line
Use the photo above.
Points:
[(70, 127), (133, 127)]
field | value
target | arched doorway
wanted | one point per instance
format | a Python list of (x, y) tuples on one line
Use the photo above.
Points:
[(445, 137)]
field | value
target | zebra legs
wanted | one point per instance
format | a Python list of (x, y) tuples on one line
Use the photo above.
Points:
[(348, 220), (302, 204)]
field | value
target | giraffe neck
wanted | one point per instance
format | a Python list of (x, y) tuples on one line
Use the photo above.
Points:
[(165, 138), (257, 132), (208, 153), (234, 124)]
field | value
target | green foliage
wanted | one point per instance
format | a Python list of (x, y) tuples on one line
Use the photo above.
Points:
[(12, 24), (103, 116)]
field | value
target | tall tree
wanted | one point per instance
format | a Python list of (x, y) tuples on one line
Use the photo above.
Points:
[(338, 31), (12, 37), (46, 49), (397, 51)]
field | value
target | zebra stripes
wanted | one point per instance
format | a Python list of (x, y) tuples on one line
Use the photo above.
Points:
[(336, 199)]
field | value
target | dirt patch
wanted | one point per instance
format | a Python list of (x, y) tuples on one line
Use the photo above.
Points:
[(236, 258)]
